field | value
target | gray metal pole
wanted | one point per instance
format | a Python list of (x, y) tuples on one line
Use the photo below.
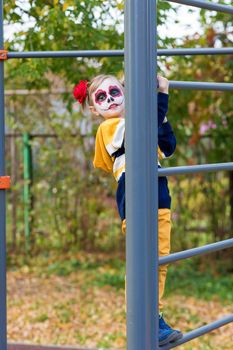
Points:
[(192, 169), (141, 175), (208, 5), (208, 248), (191, 85), (197, 51), (59, 54), (118, 53), (23, 346), (3, 319)]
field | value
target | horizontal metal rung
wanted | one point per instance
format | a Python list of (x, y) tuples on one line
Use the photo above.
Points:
[(59, 54), (192, 85), (196, 51), (213, 247), (200, 331), (119, 53), (192, 169), (22, 346), (207, 5)]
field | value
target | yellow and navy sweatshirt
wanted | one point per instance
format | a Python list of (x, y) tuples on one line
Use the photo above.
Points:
[(110, 152)]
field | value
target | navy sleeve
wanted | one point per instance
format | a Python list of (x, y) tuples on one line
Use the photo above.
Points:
[(166, 139), (162, 107)]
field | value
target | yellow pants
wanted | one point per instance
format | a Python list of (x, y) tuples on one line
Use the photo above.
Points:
[(164, 232)]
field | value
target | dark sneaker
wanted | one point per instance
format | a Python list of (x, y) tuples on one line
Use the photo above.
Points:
[(166, 336), (166, 333)]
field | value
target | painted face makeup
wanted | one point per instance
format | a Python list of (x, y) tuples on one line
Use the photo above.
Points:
[(108, 99)]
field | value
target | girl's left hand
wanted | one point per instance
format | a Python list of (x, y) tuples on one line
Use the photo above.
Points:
[(163, 84)]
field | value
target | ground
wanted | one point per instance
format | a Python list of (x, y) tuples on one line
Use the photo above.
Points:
[(83, 304)]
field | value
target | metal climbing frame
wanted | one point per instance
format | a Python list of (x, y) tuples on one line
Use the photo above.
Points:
[(142, 257), (141, 191)]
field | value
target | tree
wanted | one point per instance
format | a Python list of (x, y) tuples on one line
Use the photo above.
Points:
[(204, 124), (62, 166)]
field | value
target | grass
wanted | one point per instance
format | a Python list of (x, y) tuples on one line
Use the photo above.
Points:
[(186, 278)]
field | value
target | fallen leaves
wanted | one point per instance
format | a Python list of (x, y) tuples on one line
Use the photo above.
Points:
[(71, 310)]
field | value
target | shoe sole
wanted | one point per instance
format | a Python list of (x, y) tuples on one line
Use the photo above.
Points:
[(178, 337), (171, 338)]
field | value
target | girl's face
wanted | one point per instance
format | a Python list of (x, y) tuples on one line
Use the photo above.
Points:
[(108, 99)]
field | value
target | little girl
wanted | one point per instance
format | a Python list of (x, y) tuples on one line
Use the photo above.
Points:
[(105, 97)]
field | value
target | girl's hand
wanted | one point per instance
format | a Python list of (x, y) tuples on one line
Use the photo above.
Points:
[(163, 84)]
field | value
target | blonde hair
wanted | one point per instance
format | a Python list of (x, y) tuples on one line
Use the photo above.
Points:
[(94, 84)]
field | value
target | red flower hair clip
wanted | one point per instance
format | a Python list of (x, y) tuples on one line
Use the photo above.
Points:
[(80, 91)]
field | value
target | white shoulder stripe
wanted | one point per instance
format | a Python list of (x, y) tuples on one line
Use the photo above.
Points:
[(110, 149), (119, 134), (118, 138), (119, 162)]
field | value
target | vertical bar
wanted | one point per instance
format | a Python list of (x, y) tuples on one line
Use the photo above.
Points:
[(141, 175), (27, 164), (3, 336)]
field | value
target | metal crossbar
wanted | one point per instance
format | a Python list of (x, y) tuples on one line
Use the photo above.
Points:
[(119, 53), (142, 258), (191, 85), (209, 248), (192, 169), (207, 5), (20, 346)]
